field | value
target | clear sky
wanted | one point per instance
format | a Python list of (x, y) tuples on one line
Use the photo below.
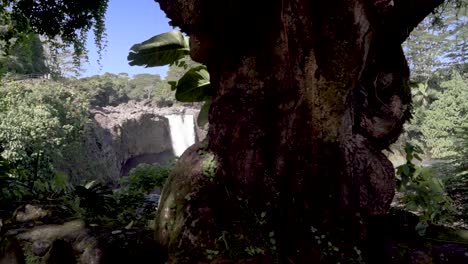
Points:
[(127, 23)]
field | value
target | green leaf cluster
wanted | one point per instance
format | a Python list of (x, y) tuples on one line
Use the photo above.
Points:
[(134, 207), (160, 50), (95, 202), (25, 56), (445, 115), (103, 90), (38, 120), (113, 89), (438, 41), (128, 205), (12, 188), (145, 177), (172, 48), (194, 86), (67, 20), (455, 173), (423, 192)]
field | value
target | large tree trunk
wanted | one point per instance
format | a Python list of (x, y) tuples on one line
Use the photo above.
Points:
[(306, 95)]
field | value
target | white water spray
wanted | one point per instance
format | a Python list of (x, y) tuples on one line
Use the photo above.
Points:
[(182, 129)]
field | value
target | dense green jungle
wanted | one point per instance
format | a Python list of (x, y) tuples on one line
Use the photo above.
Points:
[(45, 118)]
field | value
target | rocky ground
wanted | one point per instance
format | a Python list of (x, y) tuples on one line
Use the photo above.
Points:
[(29, 241)]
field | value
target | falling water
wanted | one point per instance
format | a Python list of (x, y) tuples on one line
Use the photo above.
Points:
[(182, 132)]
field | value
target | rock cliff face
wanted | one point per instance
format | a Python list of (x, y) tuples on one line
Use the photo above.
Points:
[(121, 137)]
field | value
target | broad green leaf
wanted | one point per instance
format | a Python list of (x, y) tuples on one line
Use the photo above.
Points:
[(406, 170), (409, 156), (194, 86), (173, 85), (60, 181), (163, 49), (409, 148), (202, 119), (416, 156)]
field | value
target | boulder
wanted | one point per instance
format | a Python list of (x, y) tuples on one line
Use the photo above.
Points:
[(74, 243)]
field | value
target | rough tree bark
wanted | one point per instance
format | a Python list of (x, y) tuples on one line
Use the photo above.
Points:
[(306, 94)]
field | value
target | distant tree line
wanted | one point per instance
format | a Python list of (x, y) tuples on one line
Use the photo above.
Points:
[(438, 56), (114, 89)]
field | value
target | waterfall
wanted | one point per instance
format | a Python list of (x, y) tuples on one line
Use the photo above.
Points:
[(182, 130)]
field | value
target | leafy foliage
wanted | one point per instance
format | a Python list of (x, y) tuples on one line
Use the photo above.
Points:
[(96, 201), (407, 170), (445, 115), (194, 86), (160, 50), (12, 188), (455, 173), (114, 89), (37, 121), (176, 72), (26, 56), (423, 193), (132, 203), (103, 90), (172, 48), (435, 49), (126, 206), (68, 20), (149, 87), (62, 61), (40, 124), (445, 30), (145, 177)]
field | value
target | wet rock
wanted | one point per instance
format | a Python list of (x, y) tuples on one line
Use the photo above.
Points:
[(31, 212), (73, 242), (40, 247)]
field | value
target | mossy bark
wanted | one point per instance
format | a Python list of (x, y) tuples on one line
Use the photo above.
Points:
[(306, 95)]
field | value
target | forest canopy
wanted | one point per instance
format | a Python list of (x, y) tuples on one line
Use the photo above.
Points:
[(61, 22)]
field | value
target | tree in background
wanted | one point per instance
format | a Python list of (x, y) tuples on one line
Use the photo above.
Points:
[(445, 115), (435, 44), (65, 20), (37, 122), (458, 169), (149, 87), (26, 56), (456, 52), (62, 61), (113, 89), (434, 49), (106, 89), (424, 51)]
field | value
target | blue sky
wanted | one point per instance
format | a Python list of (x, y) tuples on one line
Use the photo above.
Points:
[(127, 23)]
